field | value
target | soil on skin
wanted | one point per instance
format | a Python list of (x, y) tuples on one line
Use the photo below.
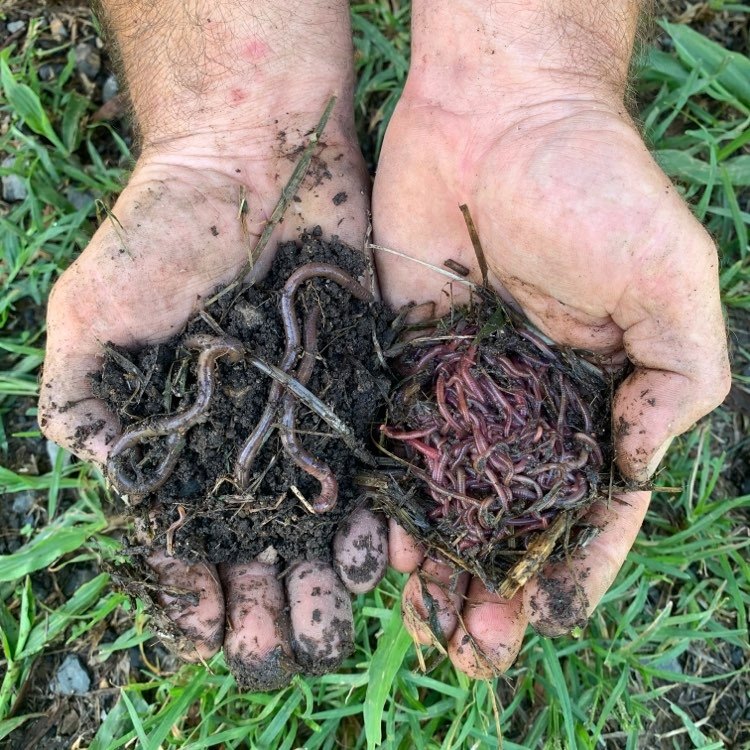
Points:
[(222, 523)]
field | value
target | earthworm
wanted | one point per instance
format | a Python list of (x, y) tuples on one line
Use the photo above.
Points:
[(257, 438), (326, 499), (173, 426)]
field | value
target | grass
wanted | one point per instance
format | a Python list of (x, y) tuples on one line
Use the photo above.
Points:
[(664, 661)]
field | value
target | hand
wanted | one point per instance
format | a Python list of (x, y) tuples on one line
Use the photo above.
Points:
[(582, 229), (174, 236)]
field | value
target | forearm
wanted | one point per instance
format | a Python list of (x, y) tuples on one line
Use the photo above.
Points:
[(517, 46), (193, 65)]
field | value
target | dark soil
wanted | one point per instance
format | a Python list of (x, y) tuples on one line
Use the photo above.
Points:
[(221, 522)]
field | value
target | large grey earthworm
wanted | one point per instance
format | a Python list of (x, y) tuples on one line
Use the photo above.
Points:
[(329, 488), (174, 426), (253, 444)]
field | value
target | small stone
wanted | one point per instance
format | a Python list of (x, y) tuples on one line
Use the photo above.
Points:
[(69, 723), (88, 60), (57, 30), (71, 678), (110, 88), (269, 556), (22, 502), (47, 72), (79, 199), (15, 26), (669, 665), (252, 316), (14, 188)]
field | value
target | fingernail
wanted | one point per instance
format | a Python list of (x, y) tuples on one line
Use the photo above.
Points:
[(659, 454)]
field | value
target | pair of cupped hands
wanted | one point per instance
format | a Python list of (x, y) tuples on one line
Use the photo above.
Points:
[(581, 230)]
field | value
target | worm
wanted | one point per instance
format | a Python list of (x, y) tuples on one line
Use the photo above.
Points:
[(326, 499), (173, 426), (249, 451)]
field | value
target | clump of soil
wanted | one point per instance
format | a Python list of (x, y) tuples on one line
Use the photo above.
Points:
[(504, 442), (205, 513)]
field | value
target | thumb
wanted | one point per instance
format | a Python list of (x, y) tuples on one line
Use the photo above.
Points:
[(69, 413), (674, 335)]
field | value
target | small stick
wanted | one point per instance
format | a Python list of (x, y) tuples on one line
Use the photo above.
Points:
[(315, 269), (437, 269), (537, 554), (312, 402), (456, 267), (476, 244)]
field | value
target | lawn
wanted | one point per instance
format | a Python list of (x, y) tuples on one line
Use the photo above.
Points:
[(665, 660)]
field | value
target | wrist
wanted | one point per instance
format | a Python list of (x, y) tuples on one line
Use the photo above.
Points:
[(222, 71), (475, 57)]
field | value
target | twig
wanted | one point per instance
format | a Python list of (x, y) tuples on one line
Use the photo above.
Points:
[(437, 269), (477, 245), (537, 553), (312, 402)]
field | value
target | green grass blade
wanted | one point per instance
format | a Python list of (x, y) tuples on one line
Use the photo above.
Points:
[(386, 661), (560, 685), (50, 544)]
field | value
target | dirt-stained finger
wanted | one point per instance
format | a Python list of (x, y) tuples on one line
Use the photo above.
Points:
[(257, 642), (564, 595), (432, 600), (321, 616), (489, 634), (404, 552), (68, 412), (360, 550), (192, 599)]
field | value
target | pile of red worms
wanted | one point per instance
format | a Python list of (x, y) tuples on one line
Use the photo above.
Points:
[(498, 433)]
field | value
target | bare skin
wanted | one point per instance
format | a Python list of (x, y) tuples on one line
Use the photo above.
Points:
[(516, 109), (223, 93)]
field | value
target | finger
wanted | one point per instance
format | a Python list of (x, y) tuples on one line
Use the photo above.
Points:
[(566, 325), (489, 634), (404, 552), (257, 642), (191, 596), (69, 413), (675, 337), (321, 615), (360, 551), (564, 595), (432, 600)]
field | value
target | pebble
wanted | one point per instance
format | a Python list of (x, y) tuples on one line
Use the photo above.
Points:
[(79, 199), (71, 678), (669, 665), (14, 188), (110, 88), (15, 26), (57, 30), (47, 72), (22, 502), (88, 60)]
